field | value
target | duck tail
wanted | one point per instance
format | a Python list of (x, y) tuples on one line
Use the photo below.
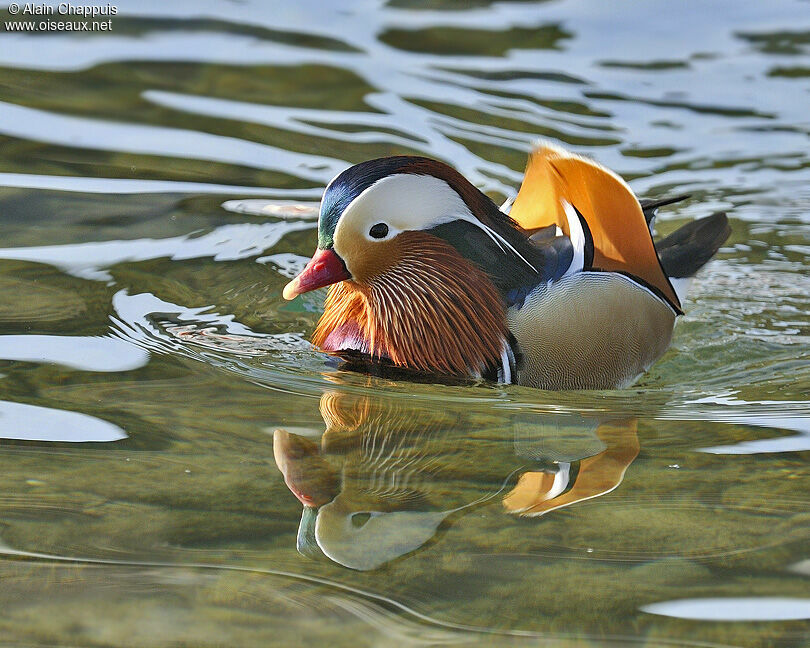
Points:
[(650, 208), (689, 248)]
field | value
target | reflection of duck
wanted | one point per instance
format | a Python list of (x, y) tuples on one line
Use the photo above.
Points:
[(368, 489), (568, 291), (386, 474)]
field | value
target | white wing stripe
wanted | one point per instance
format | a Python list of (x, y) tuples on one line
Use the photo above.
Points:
[(577, 237)]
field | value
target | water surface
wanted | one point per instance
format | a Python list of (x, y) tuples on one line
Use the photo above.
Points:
[(178, 466)]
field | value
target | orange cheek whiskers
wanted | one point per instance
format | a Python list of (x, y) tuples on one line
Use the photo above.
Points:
[(432, 311)]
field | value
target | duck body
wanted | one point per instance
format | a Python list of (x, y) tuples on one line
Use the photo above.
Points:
[(567, 291), (590, 330)]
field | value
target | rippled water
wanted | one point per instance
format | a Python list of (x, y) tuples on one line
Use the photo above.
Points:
[(164, 421)]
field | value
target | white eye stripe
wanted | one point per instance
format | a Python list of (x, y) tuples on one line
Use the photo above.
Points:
[(412, 202), (407, 201)]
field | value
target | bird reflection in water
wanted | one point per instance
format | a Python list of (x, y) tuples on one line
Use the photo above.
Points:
[(386, 474)]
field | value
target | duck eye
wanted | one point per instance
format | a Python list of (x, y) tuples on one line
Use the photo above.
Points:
[(378, 231)]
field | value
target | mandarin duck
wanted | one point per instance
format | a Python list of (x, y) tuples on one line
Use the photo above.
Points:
[(567, 290)]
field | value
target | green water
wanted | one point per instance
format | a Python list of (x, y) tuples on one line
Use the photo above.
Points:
[(148, 359)]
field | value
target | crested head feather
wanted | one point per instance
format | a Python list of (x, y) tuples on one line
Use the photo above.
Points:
[(429, 310), (347, 186)]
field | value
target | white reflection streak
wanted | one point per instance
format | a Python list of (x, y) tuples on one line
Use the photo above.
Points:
[(23, 422), (771, 414), (132, 186), (797, 443), (226, 243), (754, 608), (77, 352)]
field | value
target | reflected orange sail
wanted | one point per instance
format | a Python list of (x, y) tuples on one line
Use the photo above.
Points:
[(539, 492)]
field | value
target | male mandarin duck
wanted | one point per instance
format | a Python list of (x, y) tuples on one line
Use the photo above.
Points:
[(566, 291)]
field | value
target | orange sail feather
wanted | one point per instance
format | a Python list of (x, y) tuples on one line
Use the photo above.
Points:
[(622, 241)]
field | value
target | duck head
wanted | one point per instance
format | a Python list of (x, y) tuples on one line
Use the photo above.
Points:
[(419, 264)]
